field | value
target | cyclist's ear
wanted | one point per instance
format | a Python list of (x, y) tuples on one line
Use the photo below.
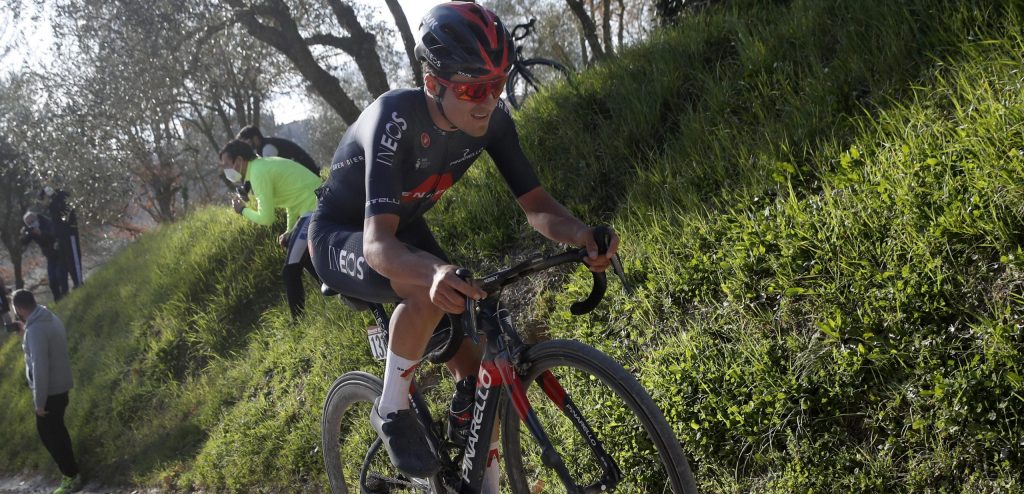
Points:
[(430, 83)]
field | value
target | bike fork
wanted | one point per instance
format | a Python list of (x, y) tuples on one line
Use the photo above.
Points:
[(549, 455)]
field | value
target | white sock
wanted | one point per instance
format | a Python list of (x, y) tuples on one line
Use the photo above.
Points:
[(490, 485), (398, 373)]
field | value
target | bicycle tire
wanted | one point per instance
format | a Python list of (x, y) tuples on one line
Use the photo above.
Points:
[(529, 76), (621, 413), (345, 428)]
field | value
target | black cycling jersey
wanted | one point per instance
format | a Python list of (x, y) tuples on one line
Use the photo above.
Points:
[(393, 159), (290, 150)]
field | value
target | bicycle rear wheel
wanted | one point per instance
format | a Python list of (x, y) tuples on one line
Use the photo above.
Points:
[(620, 413), (354, 457), (529, 76)]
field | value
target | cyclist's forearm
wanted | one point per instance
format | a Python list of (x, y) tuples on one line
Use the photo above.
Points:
[(551, 218), (566, 229)]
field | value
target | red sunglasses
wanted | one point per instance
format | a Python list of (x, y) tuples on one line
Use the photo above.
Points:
[(475, 91)]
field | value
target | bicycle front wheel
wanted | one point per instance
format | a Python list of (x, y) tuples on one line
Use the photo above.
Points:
[(354, 457), (622, 418), (529, 76)]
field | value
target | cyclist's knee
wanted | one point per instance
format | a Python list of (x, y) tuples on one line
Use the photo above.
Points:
[(419, 303)]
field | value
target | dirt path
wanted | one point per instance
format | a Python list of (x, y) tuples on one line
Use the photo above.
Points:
[(28, 483)]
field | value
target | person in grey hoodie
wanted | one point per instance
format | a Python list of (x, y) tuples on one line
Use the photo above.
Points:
[(48, 368)]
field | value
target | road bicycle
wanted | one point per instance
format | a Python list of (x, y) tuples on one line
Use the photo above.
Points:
[(589, 425), (528, 75)]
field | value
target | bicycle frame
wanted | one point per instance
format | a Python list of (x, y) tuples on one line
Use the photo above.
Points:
[(497, 375)]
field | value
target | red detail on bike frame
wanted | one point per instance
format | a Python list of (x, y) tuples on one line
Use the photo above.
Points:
[(555, 391), (492, 456), (510, 379)]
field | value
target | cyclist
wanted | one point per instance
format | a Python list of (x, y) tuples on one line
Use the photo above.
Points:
[(368, 237), (277, 182), (277, 146)]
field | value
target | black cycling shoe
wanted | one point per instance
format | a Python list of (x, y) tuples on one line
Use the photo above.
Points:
[(406, 442), (460, 415)]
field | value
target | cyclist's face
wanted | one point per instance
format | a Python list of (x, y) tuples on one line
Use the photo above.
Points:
[(471, 117)]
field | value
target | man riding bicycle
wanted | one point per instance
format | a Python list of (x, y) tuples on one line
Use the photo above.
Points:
[(368, 238)]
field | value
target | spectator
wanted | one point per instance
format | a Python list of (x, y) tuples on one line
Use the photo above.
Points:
[(40, 229), (277, 146), (65, 224), (277, 182), (5, 306), (48, 369)]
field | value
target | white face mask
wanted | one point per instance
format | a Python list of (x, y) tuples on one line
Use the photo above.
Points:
[(233, 175)]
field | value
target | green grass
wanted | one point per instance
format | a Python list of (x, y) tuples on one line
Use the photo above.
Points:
[(820, 203)]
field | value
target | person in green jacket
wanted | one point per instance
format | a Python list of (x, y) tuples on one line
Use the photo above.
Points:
[(277, 183)]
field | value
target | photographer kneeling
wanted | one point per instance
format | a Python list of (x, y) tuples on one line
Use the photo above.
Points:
[(48, 368)]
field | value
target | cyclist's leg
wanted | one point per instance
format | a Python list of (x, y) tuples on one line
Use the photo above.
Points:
[(412, 322), (337, 254)]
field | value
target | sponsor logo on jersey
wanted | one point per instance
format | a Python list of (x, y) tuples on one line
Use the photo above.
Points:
[(433, 187), (467, 155), (347, 262), (382, 200), (425, 140), (390, 134), (349, 162), (422, 163)]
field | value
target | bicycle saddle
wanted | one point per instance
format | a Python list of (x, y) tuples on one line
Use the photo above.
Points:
[(352, 303)]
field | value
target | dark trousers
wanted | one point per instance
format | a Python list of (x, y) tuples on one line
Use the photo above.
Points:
[(57, 276), (55, 435), (295, 260)]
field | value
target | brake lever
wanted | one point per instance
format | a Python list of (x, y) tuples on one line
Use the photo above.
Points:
[(621, 273)]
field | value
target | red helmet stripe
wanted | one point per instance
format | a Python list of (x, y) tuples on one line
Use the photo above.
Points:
[(482, 18)]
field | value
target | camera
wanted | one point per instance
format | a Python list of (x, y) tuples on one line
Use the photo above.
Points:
[(12, 327)]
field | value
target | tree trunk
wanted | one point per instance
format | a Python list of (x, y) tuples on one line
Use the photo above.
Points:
[(622, 20), (362, 46), (408, 39), (589, 28), (583, 50), (287, 40), (606, 25)]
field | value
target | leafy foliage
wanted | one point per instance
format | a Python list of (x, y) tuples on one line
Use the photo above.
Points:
[(819, 203)]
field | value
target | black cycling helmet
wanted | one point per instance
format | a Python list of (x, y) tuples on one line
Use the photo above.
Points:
[(464, 38)]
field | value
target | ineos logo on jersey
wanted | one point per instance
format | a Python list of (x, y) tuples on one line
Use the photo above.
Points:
[(425, 140), (433, 187), (347, 262), (389, 137)]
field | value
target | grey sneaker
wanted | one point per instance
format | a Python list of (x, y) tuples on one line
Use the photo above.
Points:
[(406, 442)]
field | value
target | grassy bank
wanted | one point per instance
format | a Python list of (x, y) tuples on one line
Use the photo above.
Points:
[(821, 205)]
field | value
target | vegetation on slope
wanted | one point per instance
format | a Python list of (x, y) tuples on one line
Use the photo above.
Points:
[(820, 202)]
